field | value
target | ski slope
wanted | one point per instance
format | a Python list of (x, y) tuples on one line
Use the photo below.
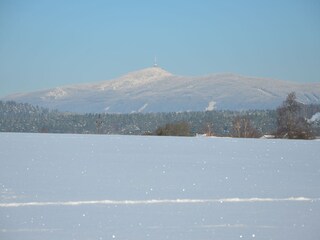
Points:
[(60, 186)]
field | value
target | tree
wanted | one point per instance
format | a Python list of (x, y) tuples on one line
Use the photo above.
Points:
[(290, 121), (99, 124), (243, 128), (174, 129), (208, 129)]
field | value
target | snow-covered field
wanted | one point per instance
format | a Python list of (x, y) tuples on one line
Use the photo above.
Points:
[(131, 187)]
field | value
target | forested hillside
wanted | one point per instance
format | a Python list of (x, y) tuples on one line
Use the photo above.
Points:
[(18, 117)]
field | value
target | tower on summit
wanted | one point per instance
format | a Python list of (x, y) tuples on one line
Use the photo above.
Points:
[(155, 62)]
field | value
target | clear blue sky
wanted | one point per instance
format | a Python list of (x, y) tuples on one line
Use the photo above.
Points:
[(47, 43)]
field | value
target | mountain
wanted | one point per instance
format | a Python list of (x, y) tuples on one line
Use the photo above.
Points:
[(156, 90)]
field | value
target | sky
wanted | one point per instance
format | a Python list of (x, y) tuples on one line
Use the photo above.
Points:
[(49, 43)]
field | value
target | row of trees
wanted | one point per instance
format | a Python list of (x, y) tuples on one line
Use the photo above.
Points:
[(18, 117), (288, 121)]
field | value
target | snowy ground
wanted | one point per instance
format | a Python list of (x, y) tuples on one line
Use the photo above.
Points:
[(129, 187)]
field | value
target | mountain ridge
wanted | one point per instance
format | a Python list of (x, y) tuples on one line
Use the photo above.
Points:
[(154, 89)]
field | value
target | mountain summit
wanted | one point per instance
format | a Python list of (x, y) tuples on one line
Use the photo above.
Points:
[(148, 73), (137, 78), (156, 90)]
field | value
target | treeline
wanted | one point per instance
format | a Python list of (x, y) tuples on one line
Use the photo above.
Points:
[(21, 117)]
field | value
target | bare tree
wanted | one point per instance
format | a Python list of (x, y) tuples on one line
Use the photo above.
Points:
[(208, 129), (243, 128), (290, 121)]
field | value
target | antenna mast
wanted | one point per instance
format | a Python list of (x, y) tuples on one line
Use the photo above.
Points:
[(155, 62)]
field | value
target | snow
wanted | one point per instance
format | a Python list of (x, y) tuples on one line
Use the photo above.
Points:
[(56, 93), (64, 186), (167, 92), (211, 106), (143, 107), (267, 93), (136, 79), (315, 117)]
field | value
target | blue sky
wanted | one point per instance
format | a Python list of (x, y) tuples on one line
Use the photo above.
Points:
[(48, 43)]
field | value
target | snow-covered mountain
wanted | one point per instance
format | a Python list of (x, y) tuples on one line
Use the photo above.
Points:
[(156, 90)]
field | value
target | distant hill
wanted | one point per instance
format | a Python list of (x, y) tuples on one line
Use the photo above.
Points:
[(156, 90)]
